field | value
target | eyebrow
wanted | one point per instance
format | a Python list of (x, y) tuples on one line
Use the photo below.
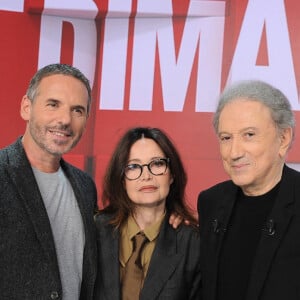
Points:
[(137, 160), (72, 107), (239, 131)]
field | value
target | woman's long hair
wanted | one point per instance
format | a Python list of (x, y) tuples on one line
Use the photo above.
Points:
[(114, 196)]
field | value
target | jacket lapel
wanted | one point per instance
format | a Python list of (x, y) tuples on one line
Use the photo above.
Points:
[(87, 206), (272, 235), (165, 259), (109, 257), (22, 175), (219, 225)]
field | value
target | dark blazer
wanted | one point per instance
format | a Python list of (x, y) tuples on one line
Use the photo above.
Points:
[(276, 267), (28, 262), (173, 271)]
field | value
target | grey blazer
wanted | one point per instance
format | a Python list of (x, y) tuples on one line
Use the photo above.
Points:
[(28, 262), (276, 267), (173, 271)]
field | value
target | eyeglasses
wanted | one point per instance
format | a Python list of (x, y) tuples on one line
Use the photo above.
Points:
[(156, 167)]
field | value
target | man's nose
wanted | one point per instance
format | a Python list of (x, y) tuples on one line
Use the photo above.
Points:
[(65, 116), (236, 150)]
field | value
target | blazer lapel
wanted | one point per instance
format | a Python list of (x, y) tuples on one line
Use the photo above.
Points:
[(165, 259), (221, 219), (84, 206), (87, 205), (219, 225), (22, 175), (272, 235), (109, 257)]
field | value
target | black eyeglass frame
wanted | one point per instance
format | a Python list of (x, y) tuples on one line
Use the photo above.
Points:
[(141, 167)]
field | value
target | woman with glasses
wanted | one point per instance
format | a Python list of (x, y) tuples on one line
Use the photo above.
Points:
[(140, 255)]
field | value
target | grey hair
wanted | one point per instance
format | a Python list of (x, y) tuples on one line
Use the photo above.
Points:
[(271, 97), (54, 69)]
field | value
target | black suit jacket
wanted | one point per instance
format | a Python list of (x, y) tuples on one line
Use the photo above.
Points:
[(276, 267), (173, 271), (28, 262)]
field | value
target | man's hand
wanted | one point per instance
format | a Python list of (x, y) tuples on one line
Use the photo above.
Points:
[(175, 220)]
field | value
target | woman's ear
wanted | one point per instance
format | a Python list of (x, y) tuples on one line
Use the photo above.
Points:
[(171, 179), (25, 108)]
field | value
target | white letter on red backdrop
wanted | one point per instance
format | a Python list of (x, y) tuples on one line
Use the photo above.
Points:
[(85, 34), (158, 30), (115, 44), (280, 70), (15, 5), (146, 32), (205, 17)]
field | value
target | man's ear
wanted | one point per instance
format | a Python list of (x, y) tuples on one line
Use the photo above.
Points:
[(25, 108), (286, 136)]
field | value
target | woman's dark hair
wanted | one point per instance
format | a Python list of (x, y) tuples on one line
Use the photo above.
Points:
[(114, 197)]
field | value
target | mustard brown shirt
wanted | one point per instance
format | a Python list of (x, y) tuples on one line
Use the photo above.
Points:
[(128, 231)]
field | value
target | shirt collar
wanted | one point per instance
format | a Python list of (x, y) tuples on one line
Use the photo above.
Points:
[(131, 228)]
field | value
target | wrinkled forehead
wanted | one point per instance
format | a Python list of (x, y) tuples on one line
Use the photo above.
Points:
[(243, 113)]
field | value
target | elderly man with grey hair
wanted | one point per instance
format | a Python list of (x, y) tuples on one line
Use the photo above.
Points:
[(250, 224)]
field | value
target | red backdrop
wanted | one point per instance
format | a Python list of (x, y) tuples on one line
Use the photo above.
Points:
[(151, 63)]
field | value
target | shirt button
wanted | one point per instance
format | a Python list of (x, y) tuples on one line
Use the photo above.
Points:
[(54, 295)]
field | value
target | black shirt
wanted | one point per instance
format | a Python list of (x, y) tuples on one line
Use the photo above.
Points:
[(240, 243)]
